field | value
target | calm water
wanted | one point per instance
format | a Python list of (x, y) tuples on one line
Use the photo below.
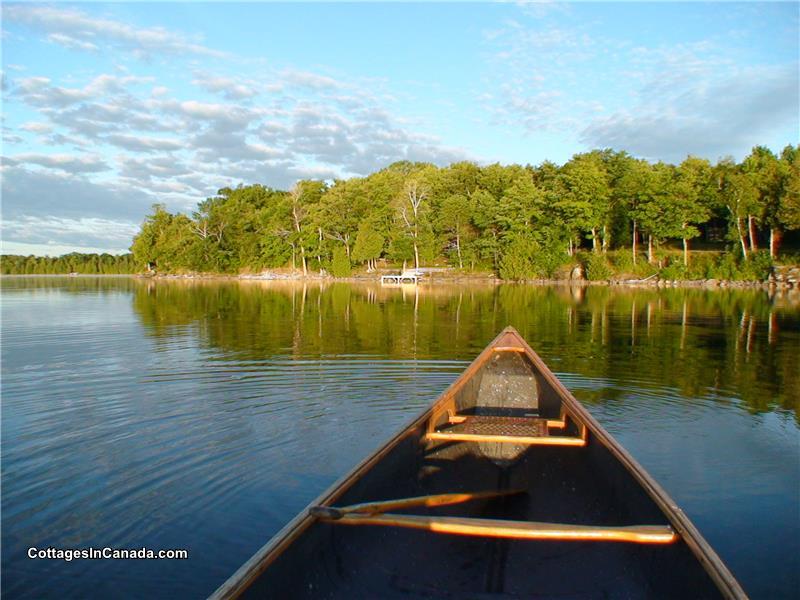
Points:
[(205, 415)]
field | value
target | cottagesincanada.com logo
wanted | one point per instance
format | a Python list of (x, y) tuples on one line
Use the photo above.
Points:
[(107, 553)]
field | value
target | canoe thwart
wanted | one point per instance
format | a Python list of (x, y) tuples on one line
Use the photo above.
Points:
[(549, 440), (519, 349), (532, 431), (551, 423), (526, 530)]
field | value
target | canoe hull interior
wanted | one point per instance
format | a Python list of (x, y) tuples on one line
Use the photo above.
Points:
[(584, 484), (334, 561)]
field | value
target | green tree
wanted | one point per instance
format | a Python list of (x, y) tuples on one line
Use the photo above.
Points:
[(787, 211), (738, 193), (340, 265), (587, 193), (292, 222), (455, 214), (369, 244), (340, 211), (635, 188), (689, 202), (518, 262), (764, 168), (412, 212), (654, 208), (485, 218), (161, 240)]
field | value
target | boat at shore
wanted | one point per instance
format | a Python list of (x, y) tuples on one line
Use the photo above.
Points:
[(505, 486)]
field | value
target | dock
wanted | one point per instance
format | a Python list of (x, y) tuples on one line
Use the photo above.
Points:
[(409, 276)]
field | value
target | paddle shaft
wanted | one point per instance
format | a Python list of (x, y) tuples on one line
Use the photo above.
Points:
[(528, 530)]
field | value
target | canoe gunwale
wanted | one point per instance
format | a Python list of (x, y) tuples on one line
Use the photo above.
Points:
[(239, 581)]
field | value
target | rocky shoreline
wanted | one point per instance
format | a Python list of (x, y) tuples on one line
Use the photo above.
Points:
[(782, 278)]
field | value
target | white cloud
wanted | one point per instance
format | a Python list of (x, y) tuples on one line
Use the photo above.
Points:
[(306, 79), (71, 43), (52, 234), (139, 143), (727, 114), (59, 139), (90, 230), (542, 8), (230, 114), (659, 102), (63, 162), (53, 193), (229, 87), (536, 110), (336, 134), (36, 127), (534, 72), (144, 171), (73, 28), (40, 91)]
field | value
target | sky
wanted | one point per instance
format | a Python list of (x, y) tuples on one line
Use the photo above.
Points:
[(110, 108)]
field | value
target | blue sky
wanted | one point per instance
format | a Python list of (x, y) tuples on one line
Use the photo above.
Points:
[(108, 108)]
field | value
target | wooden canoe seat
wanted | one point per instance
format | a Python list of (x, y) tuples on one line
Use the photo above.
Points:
[(498, 425), (511, 430)]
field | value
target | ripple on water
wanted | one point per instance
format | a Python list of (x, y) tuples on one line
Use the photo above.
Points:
[(152, 440)]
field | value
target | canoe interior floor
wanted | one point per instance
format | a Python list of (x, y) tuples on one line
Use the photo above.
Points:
[(334, 561)]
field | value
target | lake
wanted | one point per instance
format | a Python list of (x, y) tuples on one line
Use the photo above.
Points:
[(203, 415)]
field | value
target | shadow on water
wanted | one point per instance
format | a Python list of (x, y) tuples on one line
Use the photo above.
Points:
[(204, 414)]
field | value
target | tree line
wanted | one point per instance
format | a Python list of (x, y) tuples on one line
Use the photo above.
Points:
[(518, 221), (87, 264)]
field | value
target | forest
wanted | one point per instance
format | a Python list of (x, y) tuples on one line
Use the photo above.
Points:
[(75, 262), (603, 209), (520, 222)]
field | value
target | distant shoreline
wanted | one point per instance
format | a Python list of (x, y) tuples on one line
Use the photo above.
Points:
[(39, 275)]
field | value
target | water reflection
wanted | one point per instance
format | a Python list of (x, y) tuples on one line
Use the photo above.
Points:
[(204, 415), (742, 344)]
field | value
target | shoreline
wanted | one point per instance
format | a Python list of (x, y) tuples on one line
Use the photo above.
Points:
[(781, 283), (785, 278)]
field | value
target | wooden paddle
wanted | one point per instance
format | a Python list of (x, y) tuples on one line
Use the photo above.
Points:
[(373, 508), (528, 530)]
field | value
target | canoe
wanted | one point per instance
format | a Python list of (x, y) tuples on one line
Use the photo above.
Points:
[(505, 486)]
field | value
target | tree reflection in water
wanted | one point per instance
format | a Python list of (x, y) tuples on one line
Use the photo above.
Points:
[(740, 344)]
